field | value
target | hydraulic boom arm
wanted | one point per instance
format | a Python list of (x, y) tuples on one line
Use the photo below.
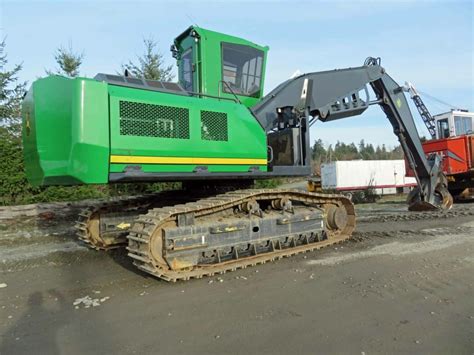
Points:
[(336, 94)]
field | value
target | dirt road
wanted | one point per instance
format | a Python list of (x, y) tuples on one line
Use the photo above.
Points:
[(404, 284)]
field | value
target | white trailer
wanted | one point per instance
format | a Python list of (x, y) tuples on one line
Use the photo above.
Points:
[(385, 176)]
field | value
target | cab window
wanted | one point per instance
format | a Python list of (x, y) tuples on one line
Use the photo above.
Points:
[(462, 125), (187, 70), (443, 129), (241, 69)]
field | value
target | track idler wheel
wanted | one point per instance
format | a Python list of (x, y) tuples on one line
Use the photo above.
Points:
[(90, 233), (336, 217)]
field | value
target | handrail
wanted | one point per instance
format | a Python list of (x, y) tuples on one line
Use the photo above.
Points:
[(228, 86), (213, 96)]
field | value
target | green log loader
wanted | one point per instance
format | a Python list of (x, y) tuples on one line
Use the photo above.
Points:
[(216, 132)]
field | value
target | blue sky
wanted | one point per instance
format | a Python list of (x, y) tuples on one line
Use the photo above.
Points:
[(429, 43)]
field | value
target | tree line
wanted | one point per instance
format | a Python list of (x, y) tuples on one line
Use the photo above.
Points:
[(342, 151)]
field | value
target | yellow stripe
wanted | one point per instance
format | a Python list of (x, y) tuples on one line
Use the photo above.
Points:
[(126, 159)]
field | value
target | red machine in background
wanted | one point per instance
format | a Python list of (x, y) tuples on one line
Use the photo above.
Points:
[(455, 142), (452, 137)]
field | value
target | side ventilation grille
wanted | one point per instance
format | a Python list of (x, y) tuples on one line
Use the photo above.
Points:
[(214, 126), (148, 120)]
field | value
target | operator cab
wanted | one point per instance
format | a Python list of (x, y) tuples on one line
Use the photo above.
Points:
[(218, 65), (213, 64), (454, 123)]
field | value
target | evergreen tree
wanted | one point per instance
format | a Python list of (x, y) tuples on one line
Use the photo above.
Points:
[(384, 154), (68, 62), (330, 154), (150, 65), (11, 94), (370, 151), (397, 153), (319, 155), (12, 177), (362, 148), (378, 152), (318, 151), (352, 152)]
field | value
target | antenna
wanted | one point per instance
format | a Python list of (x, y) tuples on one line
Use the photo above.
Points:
[(193, 21)]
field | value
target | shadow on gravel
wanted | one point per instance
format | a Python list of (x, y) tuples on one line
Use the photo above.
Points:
[(60, 226), (120, 257), (36, 331), (48, 240)]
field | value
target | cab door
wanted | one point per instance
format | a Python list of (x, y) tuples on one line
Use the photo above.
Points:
[(188, 65)]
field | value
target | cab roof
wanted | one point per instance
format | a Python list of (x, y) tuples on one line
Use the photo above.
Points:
[(216, 36)]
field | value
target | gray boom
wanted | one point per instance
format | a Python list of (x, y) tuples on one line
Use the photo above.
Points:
[(341, 93)]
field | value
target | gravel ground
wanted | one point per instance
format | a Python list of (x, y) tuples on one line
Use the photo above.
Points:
[(403, 284)]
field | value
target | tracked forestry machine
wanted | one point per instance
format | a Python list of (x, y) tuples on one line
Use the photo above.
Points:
[(452, 138), (217, 133)]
